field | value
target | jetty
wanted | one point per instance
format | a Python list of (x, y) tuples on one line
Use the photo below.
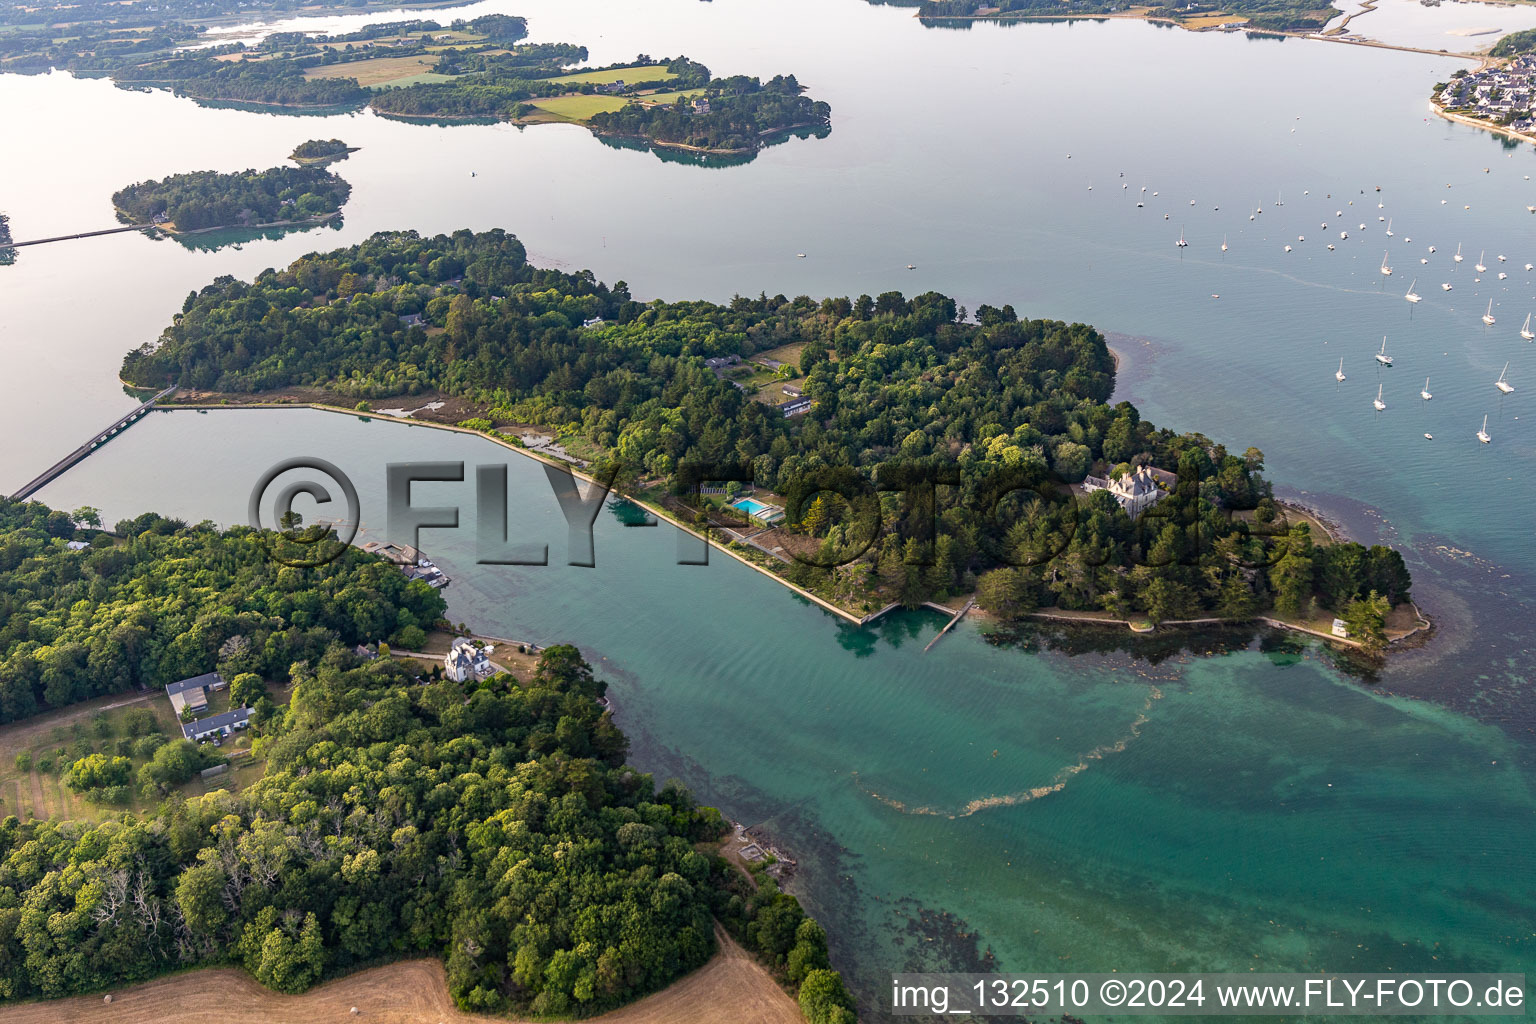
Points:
[(82, 234), (98, 439), (951, 624)]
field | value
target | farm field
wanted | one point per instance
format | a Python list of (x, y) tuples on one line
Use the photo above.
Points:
[(580, 108), (377, 70), (643, 73), (730, 987)]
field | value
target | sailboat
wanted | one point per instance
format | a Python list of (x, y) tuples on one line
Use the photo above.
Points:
[(1502, 384), (1482, 435), (1389, 228), (1379, 404), (1479, 265), (1425, 393), (1382, 357), (1278, 200), (1181, 242), (1384, 268), (1525, 332), (1339, 373), (1457, 257), (1488, 316), (1412, 295), (1223, 243)]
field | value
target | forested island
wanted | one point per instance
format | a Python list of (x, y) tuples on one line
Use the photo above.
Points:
[(1271, 15), (321, 151), (671, 102), (246, 199), (7, 254), (467, 70), (1002, 412), (493, 823)]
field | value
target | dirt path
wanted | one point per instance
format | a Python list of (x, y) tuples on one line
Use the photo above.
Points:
[(730, 989)]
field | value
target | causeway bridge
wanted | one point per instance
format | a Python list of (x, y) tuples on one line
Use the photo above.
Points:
[(98, 439)]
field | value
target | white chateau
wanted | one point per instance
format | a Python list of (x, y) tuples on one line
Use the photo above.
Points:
[(1135, 491)]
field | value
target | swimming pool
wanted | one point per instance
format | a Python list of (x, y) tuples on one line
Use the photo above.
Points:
[(753, 508)]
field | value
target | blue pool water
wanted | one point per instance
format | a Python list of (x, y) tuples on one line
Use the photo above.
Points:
[(750, 507)]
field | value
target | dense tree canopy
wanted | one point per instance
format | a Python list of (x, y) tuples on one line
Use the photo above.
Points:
[(208, 199), (492, 823), (321, 149), (169, 602)]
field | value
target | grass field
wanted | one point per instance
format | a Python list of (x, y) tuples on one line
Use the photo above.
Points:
[(38, 794), (671, 97), (644, 73), (1212, 20), (376, 70), (730, 987), (580, 108)]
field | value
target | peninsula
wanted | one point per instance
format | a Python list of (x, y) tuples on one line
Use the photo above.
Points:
[(202, 200), (869, 451), (1499, 96), (364, 807), (1266, 15)]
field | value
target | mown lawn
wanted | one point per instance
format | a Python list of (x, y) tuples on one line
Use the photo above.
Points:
[(580, 108)]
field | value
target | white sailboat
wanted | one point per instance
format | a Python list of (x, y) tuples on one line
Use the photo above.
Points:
[(1425, 393), (1488, 316), (1386, 270), (1389, 228), (1382, 357), (1278, 200), (1223, 243), (1339, 373), (1482, 435), (1502, 384), (1379, 404), (1479, 267), (1525, 332), (1445, 286), (1456, 257), (1412, 295), (1181, 243)]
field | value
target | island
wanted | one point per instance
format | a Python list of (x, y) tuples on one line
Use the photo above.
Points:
[(7, 251), (253, 200), (1500, 95), (364, 803), (471, 70), (871, 452), (320, 152), (1201, 15), (671, 102)]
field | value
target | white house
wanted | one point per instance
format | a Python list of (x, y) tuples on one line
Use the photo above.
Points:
[(1136, 492), (465, 662)]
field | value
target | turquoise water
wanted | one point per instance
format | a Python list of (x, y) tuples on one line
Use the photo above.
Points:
[(752, 508), (1064, 800)]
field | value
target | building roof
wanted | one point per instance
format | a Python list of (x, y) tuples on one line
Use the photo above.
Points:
[(195, 683), (203, 726)]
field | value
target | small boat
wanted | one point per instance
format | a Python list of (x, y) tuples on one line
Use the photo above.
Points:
[(1530, 266), (1428, 436), (1386, 270), (1488, 316), (1503, 276), (1526, 332), (1503, 258), (1223, 243), (1343, 235), (911, 266), (1181, 243), (1412, 295), (1287, 248), (1278, 200), (799, 255), (1378, 403), (1422, 261), (1301, 238), (1382, 357), (1090, 186), (1479, 267), (1446, 286), (1330, 247), (1431, 248), (1362, 227), (1482, 435), (1389, 229), (1140, 204), (1457, 257), (1502, 384), (1425, 393), (1338, 374)]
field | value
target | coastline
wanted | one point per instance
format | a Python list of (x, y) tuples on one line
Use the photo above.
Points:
[(1474, 122), (1138, 625)]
